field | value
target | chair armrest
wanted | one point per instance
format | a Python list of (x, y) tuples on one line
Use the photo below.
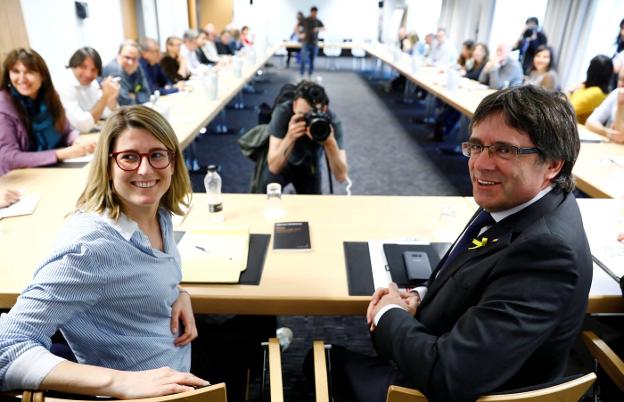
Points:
[(608, 360), (402, 394), (211, 393), (320, 372), (275, 371)]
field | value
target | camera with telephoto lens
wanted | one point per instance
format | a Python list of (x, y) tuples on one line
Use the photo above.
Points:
[(319, 124)]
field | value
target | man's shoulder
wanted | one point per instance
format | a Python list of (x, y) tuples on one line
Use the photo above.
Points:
[(112, 68), (283, 110)]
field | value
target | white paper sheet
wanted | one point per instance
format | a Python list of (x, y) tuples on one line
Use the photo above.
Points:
[(25, 206)]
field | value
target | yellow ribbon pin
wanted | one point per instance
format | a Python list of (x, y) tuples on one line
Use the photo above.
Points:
[(480, 243)]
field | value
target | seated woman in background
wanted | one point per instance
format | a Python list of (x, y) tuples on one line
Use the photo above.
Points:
[(111, 284), (593, 91), (474, 65), (245, 37), (541, 72), (33, 128), (608, 118), (173, 63), (85, 101), (466, 53)]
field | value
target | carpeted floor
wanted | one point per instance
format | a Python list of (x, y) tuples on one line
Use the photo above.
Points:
[(386, 154)]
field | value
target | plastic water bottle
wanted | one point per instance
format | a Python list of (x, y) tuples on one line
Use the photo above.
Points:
[(212, 181)]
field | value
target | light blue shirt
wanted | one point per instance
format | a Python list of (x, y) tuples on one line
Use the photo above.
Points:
[(108, 291), (604, 114)]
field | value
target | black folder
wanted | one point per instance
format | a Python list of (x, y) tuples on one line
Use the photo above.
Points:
[(396, 264)]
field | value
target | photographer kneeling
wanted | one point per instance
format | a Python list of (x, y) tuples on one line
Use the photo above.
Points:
[(300, 131)]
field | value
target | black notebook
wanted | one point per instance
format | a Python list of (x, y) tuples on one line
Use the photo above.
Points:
[(293, 236)]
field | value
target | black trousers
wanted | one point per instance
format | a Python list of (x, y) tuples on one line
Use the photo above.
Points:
[(226, 351), (305, 178)]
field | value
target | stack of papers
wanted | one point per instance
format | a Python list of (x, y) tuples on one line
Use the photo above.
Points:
[(214, 254), (80, 159), (603, 223), (25, 206)]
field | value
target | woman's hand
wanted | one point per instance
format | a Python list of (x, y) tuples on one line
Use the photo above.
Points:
[(150, 383), (76, 150), (182, 310), (8, 197)]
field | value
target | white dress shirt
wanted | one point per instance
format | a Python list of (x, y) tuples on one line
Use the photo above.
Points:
[(195, 67), (78, 100)]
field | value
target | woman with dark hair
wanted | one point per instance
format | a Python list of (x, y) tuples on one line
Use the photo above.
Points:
[(173, 63), (33, 128), (85, 101), (474, 65), (466, 52), (594, 90), (542, 71)]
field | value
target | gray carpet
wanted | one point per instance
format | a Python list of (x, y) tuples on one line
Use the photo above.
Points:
[(386, 155)]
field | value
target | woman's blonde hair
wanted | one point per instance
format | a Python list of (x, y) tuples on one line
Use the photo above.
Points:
[(98, 195)]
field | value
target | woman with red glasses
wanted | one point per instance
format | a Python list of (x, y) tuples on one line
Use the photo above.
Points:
[(111, 285)]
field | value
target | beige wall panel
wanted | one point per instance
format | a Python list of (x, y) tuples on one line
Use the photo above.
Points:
[(12, 27), (128, 11), (218, 12)]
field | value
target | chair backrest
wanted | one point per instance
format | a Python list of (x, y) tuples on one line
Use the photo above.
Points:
[(611, 363), (357, 51), (569, 391), (212, 393)]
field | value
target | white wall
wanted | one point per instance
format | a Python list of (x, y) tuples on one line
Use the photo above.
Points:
[(604, 29), (273, 20), (172, 19), (423, 16), (55, 32), (509, 20)]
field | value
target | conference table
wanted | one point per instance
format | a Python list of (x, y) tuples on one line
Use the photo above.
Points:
[(599, 170), (292, 283)]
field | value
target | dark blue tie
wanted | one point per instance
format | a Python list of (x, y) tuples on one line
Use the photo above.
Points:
[(472, 231)]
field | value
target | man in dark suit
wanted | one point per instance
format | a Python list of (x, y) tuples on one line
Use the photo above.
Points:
[(504, 306)]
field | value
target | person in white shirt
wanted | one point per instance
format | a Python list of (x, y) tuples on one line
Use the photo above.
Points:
[(85, 101), (189, 46), (210, 48), (442, 52)]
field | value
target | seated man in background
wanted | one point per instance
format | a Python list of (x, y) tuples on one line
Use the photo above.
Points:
[(210, 48), (502, 71), (608, 118), (300, 132), (150, 63), (202, 39), (442, 52), (189, 46), (85, 101), (134, 86), (223, 44), (504, 306)]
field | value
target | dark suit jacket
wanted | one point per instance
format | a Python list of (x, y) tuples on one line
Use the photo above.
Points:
[(501, 316)]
